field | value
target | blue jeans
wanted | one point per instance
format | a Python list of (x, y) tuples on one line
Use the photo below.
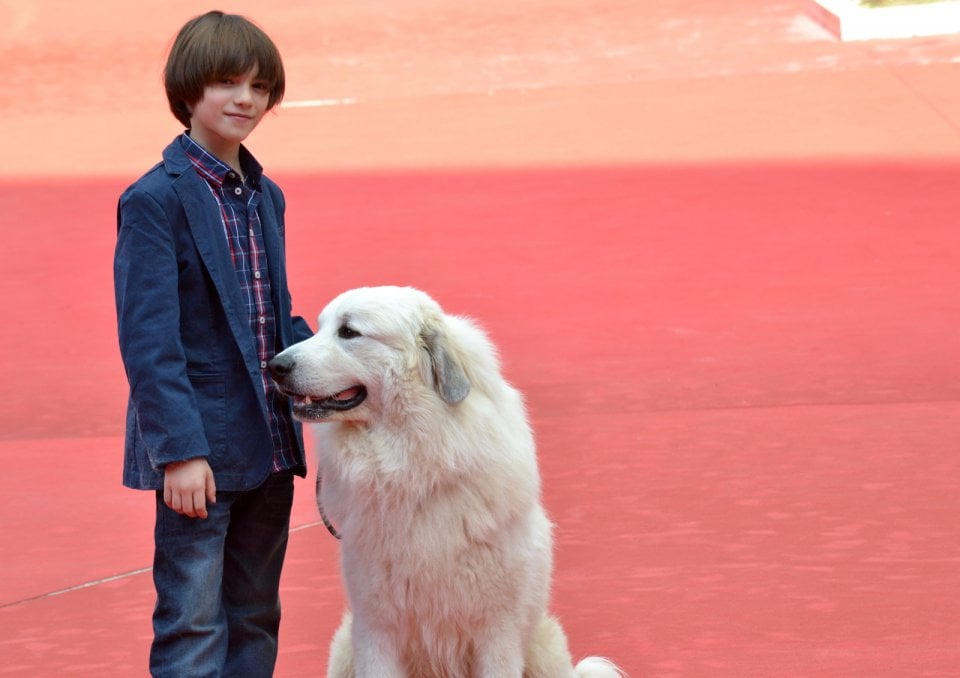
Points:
[(218, 581)]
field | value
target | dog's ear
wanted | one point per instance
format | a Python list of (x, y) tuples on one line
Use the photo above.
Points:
[(442, 366)]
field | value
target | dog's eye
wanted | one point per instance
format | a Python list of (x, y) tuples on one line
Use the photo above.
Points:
[(347, 332)]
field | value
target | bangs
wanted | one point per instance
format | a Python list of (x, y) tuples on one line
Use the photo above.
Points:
[(240, 49)]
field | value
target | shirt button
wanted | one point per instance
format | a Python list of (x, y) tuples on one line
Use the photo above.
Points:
[(238, 190), (232, 175), (263, 321), (251, 233), (256, 274), (263, 364)]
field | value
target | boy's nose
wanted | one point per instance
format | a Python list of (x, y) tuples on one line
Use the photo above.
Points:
[(243, 94)]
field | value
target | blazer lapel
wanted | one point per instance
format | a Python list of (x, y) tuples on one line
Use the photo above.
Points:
[(207, 229)]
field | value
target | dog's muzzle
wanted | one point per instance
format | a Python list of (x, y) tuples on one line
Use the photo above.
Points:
[(312, 407)]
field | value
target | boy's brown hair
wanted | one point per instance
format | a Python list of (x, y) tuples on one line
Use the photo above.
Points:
[(213, 46)]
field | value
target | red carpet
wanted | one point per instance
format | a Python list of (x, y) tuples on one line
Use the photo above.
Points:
[(742, 370)]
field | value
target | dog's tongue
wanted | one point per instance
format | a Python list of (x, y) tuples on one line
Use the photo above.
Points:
[(349, 394)]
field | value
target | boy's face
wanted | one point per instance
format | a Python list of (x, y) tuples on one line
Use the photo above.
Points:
[(228, 111)]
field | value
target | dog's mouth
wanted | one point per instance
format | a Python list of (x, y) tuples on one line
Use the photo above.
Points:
[(312, 408)]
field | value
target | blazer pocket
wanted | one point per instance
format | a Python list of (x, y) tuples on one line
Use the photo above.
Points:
[(210, 392)]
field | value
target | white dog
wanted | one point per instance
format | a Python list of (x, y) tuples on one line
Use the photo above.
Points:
[(429, 471)]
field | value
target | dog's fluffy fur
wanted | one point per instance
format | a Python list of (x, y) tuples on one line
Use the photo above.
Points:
[(429, 471)]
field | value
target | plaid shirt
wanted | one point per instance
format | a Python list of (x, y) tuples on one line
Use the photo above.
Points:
[(238, 201)]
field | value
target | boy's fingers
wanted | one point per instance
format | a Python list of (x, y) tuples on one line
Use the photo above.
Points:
[(187, 486), (199, 505), (176, 503), (211, 489)]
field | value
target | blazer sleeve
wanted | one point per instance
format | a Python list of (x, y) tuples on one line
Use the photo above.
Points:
[(300, 328), (148, 319)]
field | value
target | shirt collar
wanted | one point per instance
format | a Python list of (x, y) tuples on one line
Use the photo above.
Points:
[(214, 170)]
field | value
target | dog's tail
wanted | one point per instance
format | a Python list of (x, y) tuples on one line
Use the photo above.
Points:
[(598, 667)]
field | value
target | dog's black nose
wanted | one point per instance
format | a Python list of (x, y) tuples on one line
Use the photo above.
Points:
[(280, 367)]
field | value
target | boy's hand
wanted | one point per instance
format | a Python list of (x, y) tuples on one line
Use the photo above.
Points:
[(188, 486)]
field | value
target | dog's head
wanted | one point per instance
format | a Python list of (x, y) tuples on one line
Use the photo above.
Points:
[(377, 351)]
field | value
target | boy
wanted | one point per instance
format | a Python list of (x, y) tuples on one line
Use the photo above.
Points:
[(202, 306)]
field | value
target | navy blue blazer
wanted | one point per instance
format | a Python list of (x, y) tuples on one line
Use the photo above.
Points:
[(187, 347)]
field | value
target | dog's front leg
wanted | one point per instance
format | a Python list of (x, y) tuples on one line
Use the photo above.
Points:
[(500, 656), (376, 654)]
